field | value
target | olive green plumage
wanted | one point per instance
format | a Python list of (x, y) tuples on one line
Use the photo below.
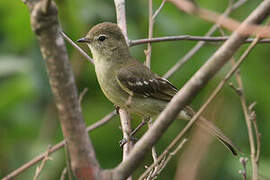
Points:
[(131, 85)]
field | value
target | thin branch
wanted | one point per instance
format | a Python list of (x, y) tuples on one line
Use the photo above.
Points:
[(120, 8), (101, 122), (163, 157), (82, 95), (254, 163), (187, 93), (154, 155), (205, 38), (39, 168), (252, 114), (243, 172), (77, 47), (148, 53), (126, 128), (142, 123), (247, 113), (56, 147), (158, 10), (237, 4), (68, 162), (63, 174)]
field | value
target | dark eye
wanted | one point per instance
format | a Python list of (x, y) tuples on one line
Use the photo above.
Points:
[(101, 38)]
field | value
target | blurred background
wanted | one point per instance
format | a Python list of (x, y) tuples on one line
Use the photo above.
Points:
[(28, 116)]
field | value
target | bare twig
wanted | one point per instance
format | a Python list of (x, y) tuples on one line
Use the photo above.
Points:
[(101, 122), (252, 114), (68, 162), (126, 128), (63, 174), (254, 163), (124, 116), (243, 172), (237, 90), (43, 162), (82, 95), (56, 147), (158, 10), (77, 47), (240, 91), (120, 8), (187, 93), (238, 4), (154, 155), (205, 38), (148, 52), (142, 123), (164, 158)]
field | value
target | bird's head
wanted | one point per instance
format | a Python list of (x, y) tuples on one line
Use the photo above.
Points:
[(106, 39)]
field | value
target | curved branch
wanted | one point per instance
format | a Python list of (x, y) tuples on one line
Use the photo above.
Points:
[(188, 38)]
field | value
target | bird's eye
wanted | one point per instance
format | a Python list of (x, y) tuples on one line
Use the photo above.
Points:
[(101, 38)]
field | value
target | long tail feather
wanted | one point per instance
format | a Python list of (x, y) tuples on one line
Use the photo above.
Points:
[(211, 129)]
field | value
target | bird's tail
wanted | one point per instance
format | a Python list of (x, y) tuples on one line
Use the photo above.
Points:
[(213, 130)]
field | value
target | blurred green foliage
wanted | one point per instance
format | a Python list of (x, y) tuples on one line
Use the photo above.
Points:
[(28, 116)]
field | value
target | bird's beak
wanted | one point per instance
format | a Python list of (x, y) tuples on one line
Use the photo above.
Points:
[(84, 40)]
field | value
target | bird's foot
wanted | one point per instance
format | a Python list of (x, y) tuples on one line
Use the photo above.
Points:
[(116, 108), (123, 141)]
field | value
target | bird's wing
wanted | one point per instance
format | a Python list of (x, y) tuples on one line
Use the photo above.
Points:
[(137, 80)]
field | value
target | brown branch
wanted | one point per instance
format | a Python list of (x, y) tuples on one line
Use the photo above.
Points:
[(165, 153), (43, 162), (63, 174), (254, 162), (247, 113), (205, 38), (187, 93), (82, 95), (56, 147), (46, 28), (252, 114), (68, 163), (158, 10), (77, 47), (228, 23), (120, 8), (148, 52), (126, 128), (243, 172)]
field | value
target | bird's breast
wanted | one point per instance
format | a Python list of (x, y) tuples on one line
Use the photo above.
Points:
[(106, 75)]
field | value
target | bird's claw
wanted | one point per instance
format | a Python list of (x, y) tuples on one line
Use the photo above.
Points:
[(123, 141)]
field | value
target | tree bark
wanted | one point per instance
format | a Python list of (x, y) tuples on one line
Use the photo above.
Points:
[(45, 24)]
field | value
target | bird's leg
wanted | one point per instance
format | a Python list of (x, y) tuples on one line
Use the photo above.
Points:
[(132, 138), (116, 108)]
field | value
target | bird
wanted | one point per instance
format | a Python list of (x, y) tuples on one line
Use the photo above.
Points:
[(131, 85)]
